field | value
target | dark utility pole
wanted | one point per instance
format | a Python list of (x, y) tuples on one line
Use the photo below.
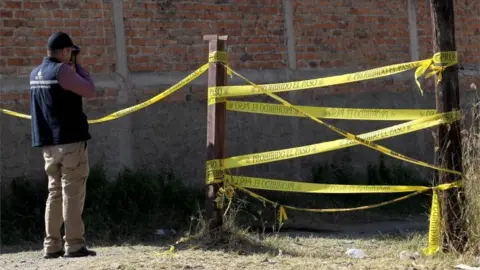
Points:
[(448, 153), (217, 76)]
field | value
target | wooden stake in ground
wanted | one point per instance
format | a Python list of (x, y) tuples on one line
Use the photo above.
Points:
[(217, 76), (448, 151)]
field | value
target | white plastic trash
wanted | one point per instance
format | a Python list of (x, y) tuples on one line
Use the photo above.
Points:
[(355, 253)]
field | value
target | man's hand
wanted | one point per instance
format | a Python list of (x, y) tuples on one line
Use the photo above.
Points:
[(79, 80), (76, 60)]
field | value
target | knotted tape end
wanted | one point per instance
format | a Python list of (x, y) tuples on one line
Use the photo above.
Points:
[(438, 63), (282, 215)]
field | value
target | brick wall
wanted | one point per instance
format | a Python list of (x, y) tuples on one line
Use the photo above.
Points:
[(167, 35), (335, 36), (27, 25), (467, 27), (164, 38)]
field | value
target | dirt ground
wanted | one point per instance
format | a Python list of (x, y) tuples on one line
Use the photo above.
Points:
[(393, 247)]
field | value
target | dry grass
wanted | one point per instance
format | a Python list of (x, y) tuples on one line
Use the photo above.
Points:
[(272, 252), (471, 164), (236, 248)]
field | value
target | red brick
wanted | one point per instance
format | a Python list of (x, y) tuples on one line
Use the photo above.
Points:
[(13, 23), (6, 32), (22, 51), (41, 32), (50, 4), (13, 4), (71, 4), (141, 59), (88, 60), (16, 61), (6, 14), (138, 42), (55, 22), (40, 42), (165, 38), (61, 14), (31, 5)]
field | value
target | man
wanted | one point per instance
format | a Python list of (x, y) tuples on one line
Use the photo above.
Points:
[(60, 128)]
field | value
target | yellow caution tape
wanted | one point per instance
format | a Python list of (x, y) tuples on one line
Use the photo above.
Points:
[(444, 59), (305, 187), (435, 226), (216, 166), (329, 112), (331, 210), (157, 98), (134, 108), (348, 135), (17, 114), (214, 173), (440, 62), (215, 100), (218, 56), (282, 214), (171, 251), (294, 152), (434, 236)]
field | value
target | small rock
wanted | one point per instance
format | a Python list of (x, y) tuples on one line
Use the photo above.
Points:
[(161, 232), (404, 255), (266, 260), (415, 255)]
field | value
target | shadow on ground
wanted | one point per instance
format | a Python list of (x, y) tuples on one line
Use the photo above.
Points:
[(247, 242)]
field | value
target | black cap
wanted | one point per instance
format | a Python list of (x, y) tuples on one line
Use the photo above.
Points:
[(60, 40)]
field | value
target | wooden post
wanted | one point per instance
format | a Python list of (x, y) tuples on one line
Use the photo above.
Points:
[(217, 76), (448, 150)]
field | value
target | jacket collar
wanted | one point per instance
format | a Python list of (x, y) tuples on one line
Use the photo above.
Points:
[(48, 59)]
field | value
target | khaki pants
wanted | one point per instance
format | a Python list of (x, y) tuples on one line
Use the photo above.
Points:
[(67, 169)]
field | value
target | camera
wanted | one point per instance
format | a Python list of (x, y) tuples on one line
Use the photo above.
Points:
[(75, 52)]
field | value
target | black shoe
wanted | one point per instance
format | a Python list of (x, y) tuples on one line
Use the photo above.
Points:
[(53, 255), (83, 252)]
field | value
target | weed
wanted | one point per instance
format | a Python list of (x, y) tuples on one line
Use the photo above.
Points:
[(471, 165), (132, 207)]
